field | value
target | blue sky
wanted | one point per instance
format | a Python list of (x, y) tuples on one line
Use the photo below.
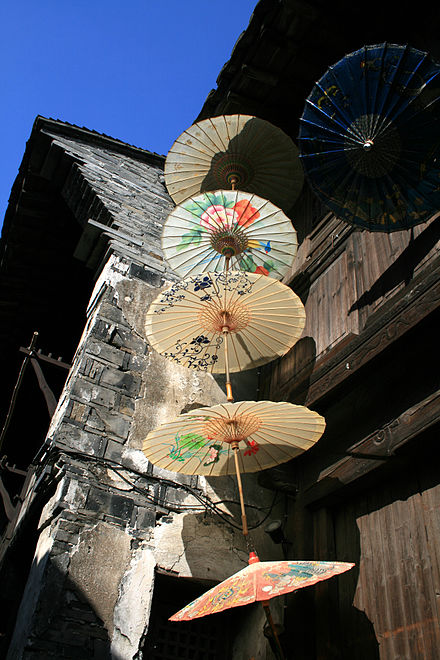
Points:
[(137, 70)]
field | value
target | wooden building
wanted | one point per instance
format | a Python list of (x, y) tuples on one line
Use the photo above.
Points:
[(368, 492)]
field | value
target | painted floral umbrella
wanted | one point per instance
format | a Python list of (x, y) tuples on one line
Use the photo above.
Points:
[(370, 137), (215, 230), (207, 441), (243, 150), (261, 581), (222, 322)]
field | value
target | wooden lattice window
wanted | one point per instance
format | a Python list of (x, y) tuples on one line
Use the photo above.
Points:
[(208, 638)]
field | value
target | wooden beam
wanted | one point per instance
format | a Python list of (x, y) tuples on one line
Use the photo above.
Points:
[(376, 448), (402, 313)]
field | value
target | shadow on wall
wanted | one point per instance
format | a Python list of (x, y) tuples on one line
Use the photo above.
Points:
[(322, 621), (288, 378), (64, 624), (402, 270)]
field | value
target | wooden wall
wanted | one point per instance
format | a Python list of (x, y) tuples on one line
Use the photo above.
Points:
[(388, 606), (369, 492), (344, 276)]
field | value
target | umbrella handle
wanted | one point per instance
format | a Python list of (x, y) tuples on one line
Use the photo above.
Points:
[(225, 331), (235, 449), (271, 623)]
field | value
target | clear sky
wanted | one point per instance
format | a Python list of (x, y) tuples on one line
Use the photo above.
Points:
[(137, 70)]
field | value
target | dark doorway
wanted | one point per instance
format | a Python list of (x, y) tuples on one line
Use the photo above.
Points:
[(207, 638)]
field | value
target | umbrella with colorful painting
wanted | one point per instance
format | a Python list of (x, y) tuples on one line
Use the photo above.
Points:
[(261, 581), (208, 441), (229, 228), (234, 150)]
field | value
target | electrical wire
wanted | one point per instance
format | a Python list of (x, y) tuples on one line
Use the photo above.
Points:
[(205, 501)]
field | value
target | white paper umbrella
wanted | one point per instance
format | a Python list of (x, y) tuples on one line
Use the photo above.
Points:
[(252, 153), (258, 317), (212, 230), (207, 441), (201, 441)]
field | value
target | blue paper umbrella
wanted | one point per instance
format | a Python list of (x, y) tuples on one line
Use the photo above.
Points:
[(370, 137)]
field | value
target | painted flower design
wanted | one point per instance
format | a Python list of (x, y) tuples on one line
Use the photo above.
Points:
[(218, 217), (245, 212), (253, 447), (201, 284), (201, 339), (213, 455)]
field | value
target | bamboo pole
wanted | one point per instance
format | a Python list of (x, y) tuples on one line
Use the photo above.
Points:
[(271, 623), (236, 449)]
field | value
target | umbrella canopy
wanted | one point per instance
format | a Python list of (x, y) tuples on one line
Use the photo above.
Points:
[(234, 149), (200, 441), (189, 321), (370, 137), (211, 230), (260, 581)]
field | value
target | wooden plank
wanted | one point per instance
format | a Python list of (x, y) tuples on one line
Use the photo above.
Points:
[(429, 533), (370, 452), (396, 317)]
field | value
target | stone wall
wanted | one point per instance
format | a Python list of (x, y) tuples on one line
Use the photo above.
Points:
[(114, 519)]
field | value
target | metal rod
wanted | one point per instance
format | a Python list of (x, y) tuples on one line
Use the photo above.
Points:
[(271, 623), (16, 388), (235, 449)]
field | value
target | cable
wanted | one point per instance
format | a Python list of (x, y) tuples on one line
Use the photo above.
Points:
[(204, 500)]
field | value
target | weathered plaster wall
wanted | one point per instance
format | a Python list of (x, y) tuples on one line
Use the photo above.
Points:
[(114, 517)]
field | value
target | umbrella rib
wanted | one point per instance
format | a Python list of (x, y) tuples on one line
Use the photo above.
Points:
[(190, 252), (291, 443), (270, 337), (208, 136)]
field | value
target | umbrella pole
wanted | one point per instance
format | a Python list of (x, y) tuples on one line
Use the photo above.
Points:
[(229, 395), (235, 449), (271, 623), (225, 331)]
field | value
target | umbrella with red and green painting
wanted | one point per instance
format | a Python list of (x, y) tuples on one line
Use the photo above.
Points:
[(229, 228)]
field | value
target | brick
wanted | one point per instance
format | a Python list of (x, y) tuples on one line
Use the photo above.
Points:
[(81, 440), (78, 411), (126, 405), (145, 518), (114, 450), (128, 341), (144, 274), (67, 537), (113, 424), (106, 352), (136, 363), (110, 312), (92, 368), (68, 526), (94, 420), (91, 392), (123, 380), (109, 503)]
